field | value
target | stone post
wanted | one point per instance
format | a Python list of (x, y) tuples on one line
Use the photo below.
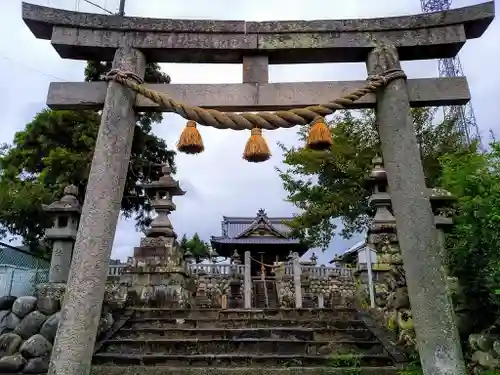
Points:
[(74, 342), (247, 286), (297, 272), (437, 336), (321, 301), (66, 215)]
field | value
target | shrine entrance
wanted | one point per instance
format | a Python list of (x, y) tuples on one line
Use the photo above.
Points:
[(379, 43)]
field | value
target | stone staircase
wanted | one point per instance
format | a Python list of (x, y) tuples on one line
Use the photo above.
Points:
[(262, 290), (241, 342)]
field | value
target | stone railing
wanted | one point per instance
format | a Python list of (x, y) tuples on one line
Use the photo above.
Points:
[(214, 269), (323, 271), (297, 285), (115, 270)]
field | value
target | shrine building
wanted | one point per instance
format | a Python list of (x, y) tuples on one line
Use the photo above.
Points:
[(266, 238)]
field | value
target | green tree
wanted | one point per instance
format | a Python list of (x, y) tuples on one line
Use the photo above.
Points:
[(56, 149), (473, 254), (197, 247), (330, 185)]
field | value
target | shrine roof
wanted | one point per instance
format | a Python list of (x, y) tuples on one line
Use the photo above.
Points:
[(255, 240), (238, 230)]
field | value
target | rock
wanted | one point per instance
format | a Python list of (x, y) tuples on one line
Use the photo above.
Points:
[(401, 298), (49, 328), (405, 321), (485, 342), (36, 346), (9, 343), (473, 341), (30, 325), (105, 323), (23, 306), (485, 359), (6, 302), (496, 349), (9, 322), (12, 363), (48, 305), (38, 365)]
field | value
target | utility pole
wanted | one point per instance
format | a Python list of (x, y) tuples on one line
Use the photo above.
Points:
[(121, 10)]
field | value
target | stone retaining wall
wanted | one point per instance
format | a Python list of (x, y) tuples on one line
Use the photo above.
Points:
[(28, 326)]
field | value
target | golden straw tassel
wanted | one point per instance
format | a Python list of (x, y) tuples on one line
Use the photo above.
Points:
[(190, 141), (256, 149), (320, 136)]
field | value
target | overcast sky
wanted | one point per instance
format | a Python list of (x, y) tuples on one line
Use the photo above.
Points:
[(218, 182)]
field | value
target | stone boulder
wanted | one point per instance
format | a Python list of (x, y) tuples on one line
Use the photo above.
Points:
[(36, 346), (49, 328), (24, 305), (482, 341), (9, 322), (38, 365), (485, 360), (30, 325), (401, 298), (496, 349), (6, 302), (9, 343), (48, 305), (105, 323), (12, 363)]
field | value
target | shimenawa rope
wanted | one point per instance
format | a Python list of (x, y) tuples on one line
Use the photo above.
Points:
[(262, 120)]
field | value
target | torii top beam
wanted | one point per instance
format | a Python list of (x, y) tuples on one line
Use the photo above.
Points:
[(87, 36)]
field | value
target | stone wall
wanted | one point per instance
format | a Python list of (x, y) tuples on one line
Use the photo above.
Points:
[(28, 326), (392, 304), (335, 290)]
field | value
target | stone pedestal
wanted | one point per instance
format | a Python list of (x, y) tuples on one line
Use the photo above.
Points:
[(157, 275)]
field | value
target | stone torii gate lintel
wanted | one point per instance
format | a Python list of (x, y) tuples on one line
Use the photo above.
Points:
[(131, 41)]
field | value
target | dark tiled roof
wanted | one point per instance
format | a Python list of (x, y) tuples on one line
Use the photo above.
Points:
[(233, 226), (255, 240), (236, 230)]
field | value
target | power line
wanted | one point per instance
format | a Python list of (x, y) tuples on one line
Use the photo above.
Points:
[(31, 68), (98, 6)]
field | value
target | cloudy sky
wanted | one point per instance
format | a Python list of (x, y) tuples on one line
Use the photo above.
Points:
[(218, 182)]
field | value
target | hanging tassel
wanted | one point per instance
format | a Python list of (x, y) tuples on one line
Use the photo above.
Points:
[(190, 141), (256, 149), (320, 137)]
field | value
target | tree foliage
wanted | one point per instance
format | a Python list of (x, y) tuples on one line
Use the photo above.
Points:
[(329, 185), (197, 247), (56, 149), (473, 254)]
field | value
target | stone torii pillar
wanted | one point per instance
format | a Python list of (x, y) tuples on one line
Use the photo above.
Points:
[(436, 333), (74, 342)]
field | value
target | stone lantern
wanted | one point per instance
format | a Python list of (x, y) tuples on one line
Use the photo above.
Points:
[(158, 272), (66, 215), (441, 201)]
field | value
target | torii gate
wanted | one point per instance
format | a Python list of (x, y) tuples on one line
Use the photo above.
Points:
[(381, 43)]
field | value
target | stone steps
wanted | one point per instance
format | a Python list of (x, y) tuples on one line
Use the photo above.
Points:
[(240, 347), (242, 360), (162, 370), (237, 314), (293, 333), (212, 341), (244, 323)]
